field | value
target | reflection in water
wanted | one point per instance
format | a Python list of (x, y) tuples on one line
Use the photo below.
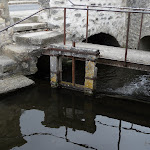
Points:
[(40, 118)]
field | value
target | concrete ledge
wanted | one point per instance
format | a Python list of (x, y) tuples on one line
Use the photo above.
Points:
[(7, 64), (42, 38), (118, 54), (22, 2), (29, 26), (78, 52), (13, 83)]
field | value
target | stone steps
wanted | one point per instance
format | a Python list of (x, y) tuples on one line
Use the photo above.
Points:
[(19, 15), (13, 83), (29, 26), (33, 19), (7, 65), (42, 38)]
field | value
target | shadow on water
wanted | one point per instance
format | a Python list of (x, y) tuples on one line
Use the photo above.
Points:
[(42, 118)]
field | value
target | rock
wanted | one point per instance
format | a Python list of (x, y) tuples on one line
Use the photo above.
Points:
[(13, 83)]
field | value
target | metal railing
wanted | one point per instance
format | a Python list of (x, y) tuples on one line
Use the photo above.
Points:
[(88, 8)]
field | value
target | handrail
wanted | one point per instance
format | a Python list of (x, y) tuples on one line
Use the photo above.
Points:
[(101, 9), (132, 8), (108, 9), (22, 20)]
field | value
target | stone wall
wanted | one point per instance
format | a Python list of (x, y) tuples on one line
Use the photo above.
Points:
[(44, 15), (5, 37), (114, 24), (136, 22), (106, 22)]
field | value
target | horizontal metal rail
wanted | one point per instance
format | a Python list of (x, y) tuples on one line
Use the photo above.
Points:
[(105, 9), (88, 8), (132, 8)]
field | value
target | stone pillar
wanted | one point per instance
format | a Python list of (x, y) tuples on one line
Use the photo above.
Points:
[(5, 36), (90, 77), (55, 70)]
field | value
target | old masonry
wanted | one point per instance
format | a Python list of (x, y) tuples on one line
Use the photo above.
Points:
[(58, 30)]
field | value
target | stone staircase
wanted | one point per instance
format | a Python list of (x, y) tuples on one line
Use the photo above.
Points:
[(20, 58)]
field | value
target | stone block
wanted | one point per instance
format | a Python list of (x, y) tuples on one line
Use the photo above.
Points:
[(43, 38)]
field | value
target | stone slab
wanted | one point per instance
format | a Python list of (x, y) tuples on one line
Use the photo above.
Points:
[(117, 53), (19, 15), (29, 26), (22, 2), (13, 83), (7, 64), (42, 38), (25, 56), (33, 19), (21, 53)]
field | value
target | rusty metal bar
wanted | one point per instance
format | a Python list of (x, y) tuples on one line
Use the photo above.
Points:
[(69, 85), (73, 43), (73, 66), (127, 38), (73, 71), (140, 31), (116, 63), (108, 9), (64, 26), (87, 24), (108, 6)]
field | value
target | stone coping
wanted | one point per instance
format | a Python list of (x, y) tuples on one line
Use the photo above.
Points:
[(22, 2)]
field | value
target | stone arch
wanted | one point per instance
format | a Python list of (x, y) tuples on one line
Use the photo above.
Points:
[(103, 39), (145, 43)]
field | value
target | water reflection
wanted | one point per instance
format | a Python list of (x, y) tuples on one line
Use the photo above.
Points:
[(40, 118)]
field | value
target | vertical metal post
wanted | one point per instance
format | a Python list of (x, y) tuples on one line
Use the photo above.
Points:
[(140, 31), (127, 38), (87, 24), (64, 26), (73, 67), (73, 44)]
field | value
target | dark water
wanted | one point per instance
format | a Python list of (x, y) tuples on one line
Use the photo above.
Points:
[(123, 82), (41, 118)]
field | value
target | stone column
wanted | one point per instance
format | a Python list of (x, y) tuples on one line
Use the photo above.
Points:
[(90, 77), (5, 36), (55, 70)]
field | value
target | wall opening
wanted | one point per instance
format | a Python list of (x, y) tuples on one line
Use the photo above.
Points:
[(103, 39), (80, 72), (145, 43), (67, 70), (43, 66)]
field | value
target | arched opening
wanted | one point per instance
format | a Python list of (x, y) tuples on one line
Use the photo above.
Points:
[(103, 39), (145, 43), (43, 66)]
